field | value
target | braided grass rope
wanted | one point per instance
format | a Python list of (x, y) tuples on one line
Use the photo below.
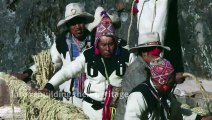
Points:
[(200, 110), (130, 25), (45, 67), (39, 106)]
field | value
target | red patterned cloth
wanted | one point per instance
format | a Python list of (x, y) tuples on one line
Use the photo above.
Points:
[(106, 112), (161, 70)]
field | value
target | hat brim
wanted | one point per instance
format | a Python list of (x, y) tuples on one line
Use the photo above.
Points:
[(135, 49), (88, 18)]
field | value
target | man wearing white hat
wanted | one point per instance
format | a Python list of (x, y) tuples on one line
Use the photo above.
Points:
[(68, 45), (151, 100), (149, 48)]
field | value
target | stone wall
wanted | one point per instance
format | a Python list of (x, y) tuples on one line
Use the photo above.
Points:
[(195, 26), (29, 26)]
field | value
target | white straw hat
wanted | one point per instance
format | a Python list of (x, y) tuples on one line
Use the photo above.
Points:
[(151, 39), (75, 10)]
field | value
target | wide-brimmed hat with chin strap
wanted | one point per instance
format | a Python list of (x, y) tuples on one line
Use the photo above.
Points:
[(74, 10), (97, 19), (151, 39)]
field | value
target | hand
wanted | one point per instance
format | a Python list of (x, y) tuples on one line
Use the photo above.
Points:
[(179, 77), (20, 76), (207, 118), (36, 90)]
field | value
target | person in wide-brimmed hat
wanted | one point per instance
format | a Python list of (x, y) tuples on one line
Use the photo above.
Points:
[(156, 91), (147, 50), (68, 45), (74, 10)]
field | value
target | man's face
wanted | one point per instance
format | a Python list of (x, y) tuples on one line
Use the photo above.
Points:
[(77, 27), (149, 53), (106, 46)]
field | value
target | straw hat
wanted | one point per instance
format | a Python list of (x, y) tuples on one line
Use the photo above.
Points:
[(75, 10), (97, 19), (151, 39)]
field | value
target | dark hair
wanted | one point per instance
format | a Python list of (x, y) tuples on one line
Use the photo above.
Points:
[(147, 49)]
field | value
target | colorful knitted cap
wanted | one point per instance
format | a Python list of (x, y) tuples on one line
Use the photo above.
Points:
[(161, 70), (104, 28)]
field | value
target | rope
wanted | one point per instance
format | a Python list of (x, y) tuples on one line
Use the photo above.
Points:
[(131, 20), (106, 74), (154, 14), (12, 103), (130, 26), (45, 67), (39, 106), (107, 77), (202, 90)]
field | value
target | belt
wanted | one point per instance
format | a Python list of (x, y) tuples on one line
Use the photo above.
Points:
[(96, 104)]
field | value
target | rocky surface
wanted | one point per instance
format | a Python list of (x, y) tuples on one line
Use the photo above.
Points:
[(195, 26), (6, 113)]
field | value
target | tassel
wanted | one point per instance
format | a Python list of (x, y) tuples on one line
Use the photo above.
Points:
[(136, 1), (155, 52), (113, 113), (134, 10), (96, 51), (106, 112), (103, 13)]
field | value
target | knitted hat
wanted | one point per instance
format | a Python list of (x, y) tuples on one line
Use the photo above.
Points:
[(97, 19), (161, 70), (104, 28)]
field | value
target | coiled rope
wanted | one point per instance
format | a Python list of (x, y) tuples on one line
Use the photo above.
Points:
[(130, 25), (200, 110), (40, 106), (45, 67)]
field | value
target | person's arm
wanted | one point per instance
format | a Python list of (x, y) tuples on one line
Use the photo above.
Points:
[(136, 106), (66, 72), (55, 56), (27, 74)]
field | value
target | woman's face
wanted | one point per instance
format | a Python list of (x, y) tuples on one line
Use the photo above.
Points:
[(106, 46)]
